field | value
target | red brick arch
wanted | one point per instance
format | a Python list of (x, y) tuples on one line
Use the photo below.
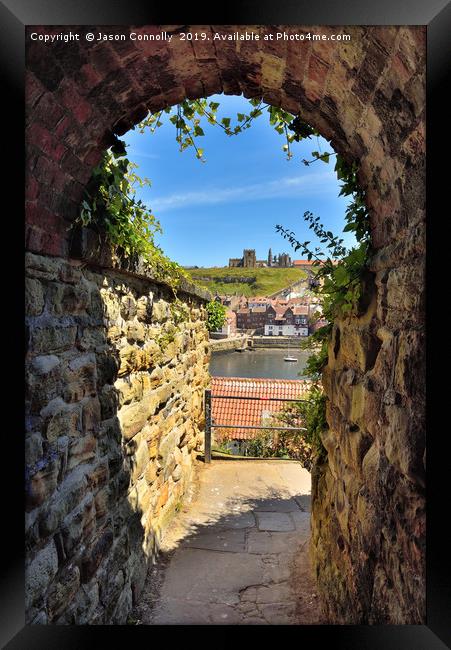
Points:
[(367, 97)]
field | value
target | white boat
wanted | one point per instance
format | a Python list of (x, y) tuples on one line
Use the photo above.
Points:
[(289, 357)]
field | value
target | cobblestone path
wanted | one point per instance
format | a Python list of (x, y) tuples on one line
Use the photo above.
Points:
[(238, 552)]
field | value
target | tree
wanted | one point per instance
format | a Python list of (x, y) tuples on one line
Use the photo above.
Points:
[(216, 316)]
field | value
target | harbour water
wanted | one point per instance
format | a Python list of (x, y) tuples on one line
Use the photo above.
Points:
[(263, 362)]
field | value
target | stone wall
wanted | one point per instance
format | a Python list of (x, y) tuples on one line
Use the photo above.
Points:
[(116, 369), (368, 516), (229, 343)]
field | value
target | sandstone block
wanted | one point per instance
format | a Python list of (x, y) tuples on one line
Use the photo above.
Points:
[(160, 311), (39, 573), (63, 591), (168, 444), (98, 475), (91, 414), (140, 460), (133, 359), (150, 473), (42, 365), (123, 607), (80, 378), (95, 554), (81, 450), (45, 340), (144, 308), (109, 402), (92, 338), (129, 389), (41, 267), (162, 497), (61, 419), (177, 473), (107, 365), (42, 483), (128, 307), (78, 525), (68, 299), (69, 495), (101, 502), (34, 297), (404, 442), (135, 332), (85, 606), (33, 449), (111, 306)]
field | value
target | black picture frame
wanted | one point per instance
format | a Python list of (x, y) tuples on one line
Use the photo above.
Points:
[(14, 16)]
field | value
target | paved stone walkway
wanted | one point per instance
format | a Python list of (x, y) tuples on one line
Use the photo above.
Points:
[(238, 553)]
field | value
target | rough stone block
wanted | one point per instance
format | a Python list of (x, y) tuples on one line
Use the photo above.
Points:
[(63, 591), (45, 340), (34, 297), (42, 483), (39, 573), (81, 450)]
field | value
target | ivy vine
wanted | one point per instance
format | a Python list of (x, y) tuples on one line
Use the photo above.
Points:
[(110, 208)]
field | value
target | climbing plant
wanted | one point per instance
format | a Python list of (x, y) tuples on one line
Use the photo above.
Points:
[(189, 115), (110, 208)]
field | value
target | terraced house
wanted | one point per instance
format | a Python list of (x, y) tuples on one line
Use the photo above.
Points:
[(291, 321)]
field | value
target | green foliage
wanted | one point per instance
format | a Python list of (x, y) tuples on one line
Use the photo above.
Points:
[(216, 315), (261, 281), (305, 444), (318, 343), (187, 119), (313, 414), (339, 273), (110, 208), (280, 444)]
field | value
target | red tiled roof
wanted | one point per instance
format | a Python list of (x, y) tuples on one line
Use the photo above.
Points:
[(300, 310), (302, 262), (251, 412)]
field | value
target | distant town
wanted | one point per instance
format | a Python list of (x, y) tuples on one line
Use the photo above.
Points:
[(293, 310), (249, 261)]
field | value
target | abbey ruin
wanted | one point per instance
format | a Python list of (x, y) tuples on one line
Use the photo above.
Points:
[(249, 260)]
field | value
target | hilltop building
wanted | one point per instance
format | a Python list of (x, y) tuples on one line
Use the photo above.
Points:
[(250, 261)]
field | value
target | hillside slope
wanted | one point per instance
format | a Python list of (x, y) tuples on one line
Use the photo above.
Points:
[(246, 282)]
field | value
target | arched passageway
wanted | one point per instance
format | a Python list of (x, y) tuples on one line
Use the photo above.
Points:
[(367, 97)]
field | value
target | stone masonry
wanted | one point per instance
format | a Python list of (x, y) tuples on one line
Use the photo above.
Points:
[(116, 369), (367, 96)]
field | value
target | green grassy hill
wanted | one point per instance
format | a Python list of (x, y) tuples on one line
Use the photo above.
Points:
[(246, 282)]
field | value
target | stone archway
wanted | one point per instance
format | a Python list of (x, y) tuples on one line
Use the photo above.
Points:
[(367, 97)]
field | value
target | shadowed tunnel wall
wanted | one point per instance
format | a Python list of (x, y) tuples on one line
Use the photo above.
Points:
[(367, 97)]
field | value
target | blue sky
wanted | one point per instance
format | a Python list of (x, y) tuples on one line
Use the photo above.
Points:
[(210, 211)]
